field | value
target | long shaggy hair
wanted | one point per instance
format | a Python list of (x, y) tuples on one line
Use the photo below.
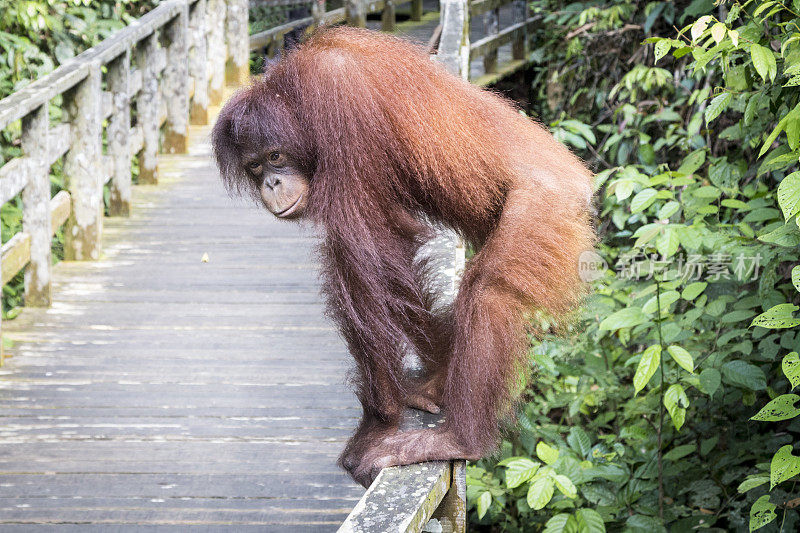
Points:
[(388, 139)]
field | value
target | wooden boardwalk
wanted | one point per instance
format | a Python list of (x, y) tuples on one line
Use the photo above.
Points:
[(160, 392)]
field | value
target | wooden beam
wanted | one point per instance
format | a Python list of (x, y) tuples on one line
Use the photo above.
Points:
[(16, 254), (483, 46)]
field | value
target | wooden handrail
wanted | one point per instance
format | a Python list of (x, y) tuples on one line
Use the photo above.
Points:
[(172, 63)]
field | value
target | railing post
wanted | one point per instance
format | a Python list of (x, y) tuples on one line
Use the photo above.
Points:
[(147, 106), (215, 14), (519, 48), (237, 69), (317, 12), (118, 134), (82, 171), (198, 62), (452, 511), (416, 10), (275, 46), (176, 83), (389, 16), (36, 207), (491, 24), (357, 13), (454, 43)]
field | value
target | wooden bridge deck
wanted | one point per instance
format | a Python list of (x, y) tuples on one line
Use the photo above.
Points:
[(162, 392)]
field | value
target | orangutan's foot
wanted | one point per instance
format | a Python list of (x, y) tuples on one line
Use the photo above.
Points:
[(403, 448)]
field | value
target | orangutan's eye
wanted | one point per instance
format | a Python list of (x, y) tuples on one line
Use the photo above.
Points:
[(277, 159), (254, 167)]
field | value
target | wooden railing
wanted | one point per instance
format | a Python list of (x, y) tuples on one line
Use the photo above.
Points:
[(168, 66), (456, 18), (270, 41)]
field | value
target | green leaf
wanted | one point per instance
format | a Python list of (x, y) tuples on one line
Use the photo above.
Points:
[(786, 236), (783, 466), (520, 470), (717, 106), (643, 200), (693, 290), (662, 48), (778, 317), (667, 244), (700, 26), (579, 441), (789, 195), (647, 367), (668, 209), (540, 492), (796, 277), (781, 408), (624, 318), (484, 502), (559, 523), (762, 513), (718, 31), (791, 368), (682, 357), (546, 453), (692, 162), (676, 402), (764, 61), (589, 521), (565, 485), (745, 375), (751, 483), (667, 299), (679, 452)]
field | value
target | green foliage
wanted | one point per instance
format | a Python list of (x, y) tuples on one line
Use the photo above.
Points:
[(681, 370)]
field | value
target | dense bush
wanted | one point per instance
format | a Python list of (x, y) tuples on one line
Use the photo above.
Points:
[(672, 408)]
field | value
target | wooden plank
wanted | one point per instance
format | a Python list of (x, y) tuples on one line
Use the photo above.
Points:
[(506, 35), (60, 206), (16, 254), (479, 7), (263, 39), (58, 142), (14, 176)]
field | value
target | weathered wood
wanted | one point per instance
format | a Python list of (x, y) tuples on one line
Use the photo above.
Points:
[(176, 83), (57, 142), (416, 10), (83, 233), (16, 254), (237, 68), (267, 38), (454, 48), (217, 52), (491, 24), (389, 16), (401, 499), (134, 82), (451, 515), (22, 102), (520, 45), (479, 7), (36, 207), (14, 177), (147, 107), (237, 427), (504, 36), (275, 47), (335, 16), (118, 134), (136, 140), (198, 62), (60, 206), (356, 13)]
